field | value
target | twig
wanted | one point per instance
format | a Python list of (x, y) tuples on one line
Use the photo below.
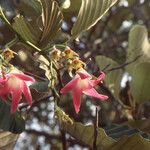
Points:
[(63, 140), (95, 130), (123, 65), (41, 99)]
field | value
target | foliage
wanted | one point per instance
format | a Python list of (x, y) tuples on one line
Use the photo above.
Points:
[(53, 40), (7, 140), (10, 122), (121, 133)]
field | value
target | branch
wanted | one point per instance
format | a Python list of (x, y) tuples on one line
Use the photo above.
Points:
[(40, 100), (63, 140), (123, 65), (95, 130)]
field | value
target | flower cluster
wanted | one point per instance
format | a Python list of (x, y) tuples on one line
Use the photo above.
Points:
[(68, 58), (82, 83)]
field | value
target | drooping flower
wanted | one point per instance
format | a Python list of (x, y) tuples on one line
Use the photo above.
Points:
[(15, 83), (83, 83)]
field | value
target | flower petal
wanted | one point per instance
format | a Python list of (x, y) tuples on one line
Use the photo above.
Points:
[(92, 92), (4, 90), (69, 86), (83, 74), (23, 77), (16, 96), (99, 79), (77, 99), (27, 93)]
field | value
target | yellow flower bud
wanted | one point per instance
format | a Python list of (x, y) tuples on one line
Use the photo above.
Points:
[(78, 64), (8, 54), (56, 55), (68, 53)]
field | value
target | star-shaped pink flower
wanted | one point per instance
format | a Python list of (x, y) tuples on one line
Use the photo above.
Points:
[(15, 84), (83, 83)]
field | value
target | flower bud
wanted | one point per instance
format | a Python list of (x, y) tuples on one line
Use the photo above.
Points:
[(68, 53), (56, 54), (78, 64), (8, 54)]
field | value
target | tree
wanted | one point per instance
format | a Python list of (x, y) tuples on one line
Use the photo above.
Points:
[(55, 41)]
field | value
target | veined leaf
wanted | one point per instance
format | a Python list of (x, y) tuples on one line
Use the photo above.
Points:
[(31, 9), (7, 140), (125, 137), (85, 134), (143, 125), (72, 10), (112, 78), (29, 6), (10, 122), (24, 29), (134, 142), (139, 43), (140, 84), (52, 20), (116, 131), (90, 13)]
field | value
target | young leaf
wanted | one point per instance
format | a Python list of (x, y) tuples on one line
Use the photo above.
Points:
[(29, 7), (90, 13), (24, 29), (52, 20), (72, 10)]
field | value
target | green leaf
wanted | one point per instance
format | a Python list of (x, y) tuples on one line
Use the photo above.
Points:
[(140, 84), (143, 125), (113, 137), (7, 140), (85, 134), (134, 142), (116, 131), (90, 13), (139, 43), (24, 29), (29, 7), (52, 20), (125, 137), (72, 10), (113, 78), (10, 122)]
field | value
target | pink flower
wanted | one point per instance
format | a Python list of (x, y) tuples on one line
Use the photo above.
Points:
[(82, 83), (15, 84)]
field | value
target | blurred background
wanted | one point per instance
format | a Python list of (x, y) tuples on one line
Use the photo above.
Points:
[(104, 47)]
